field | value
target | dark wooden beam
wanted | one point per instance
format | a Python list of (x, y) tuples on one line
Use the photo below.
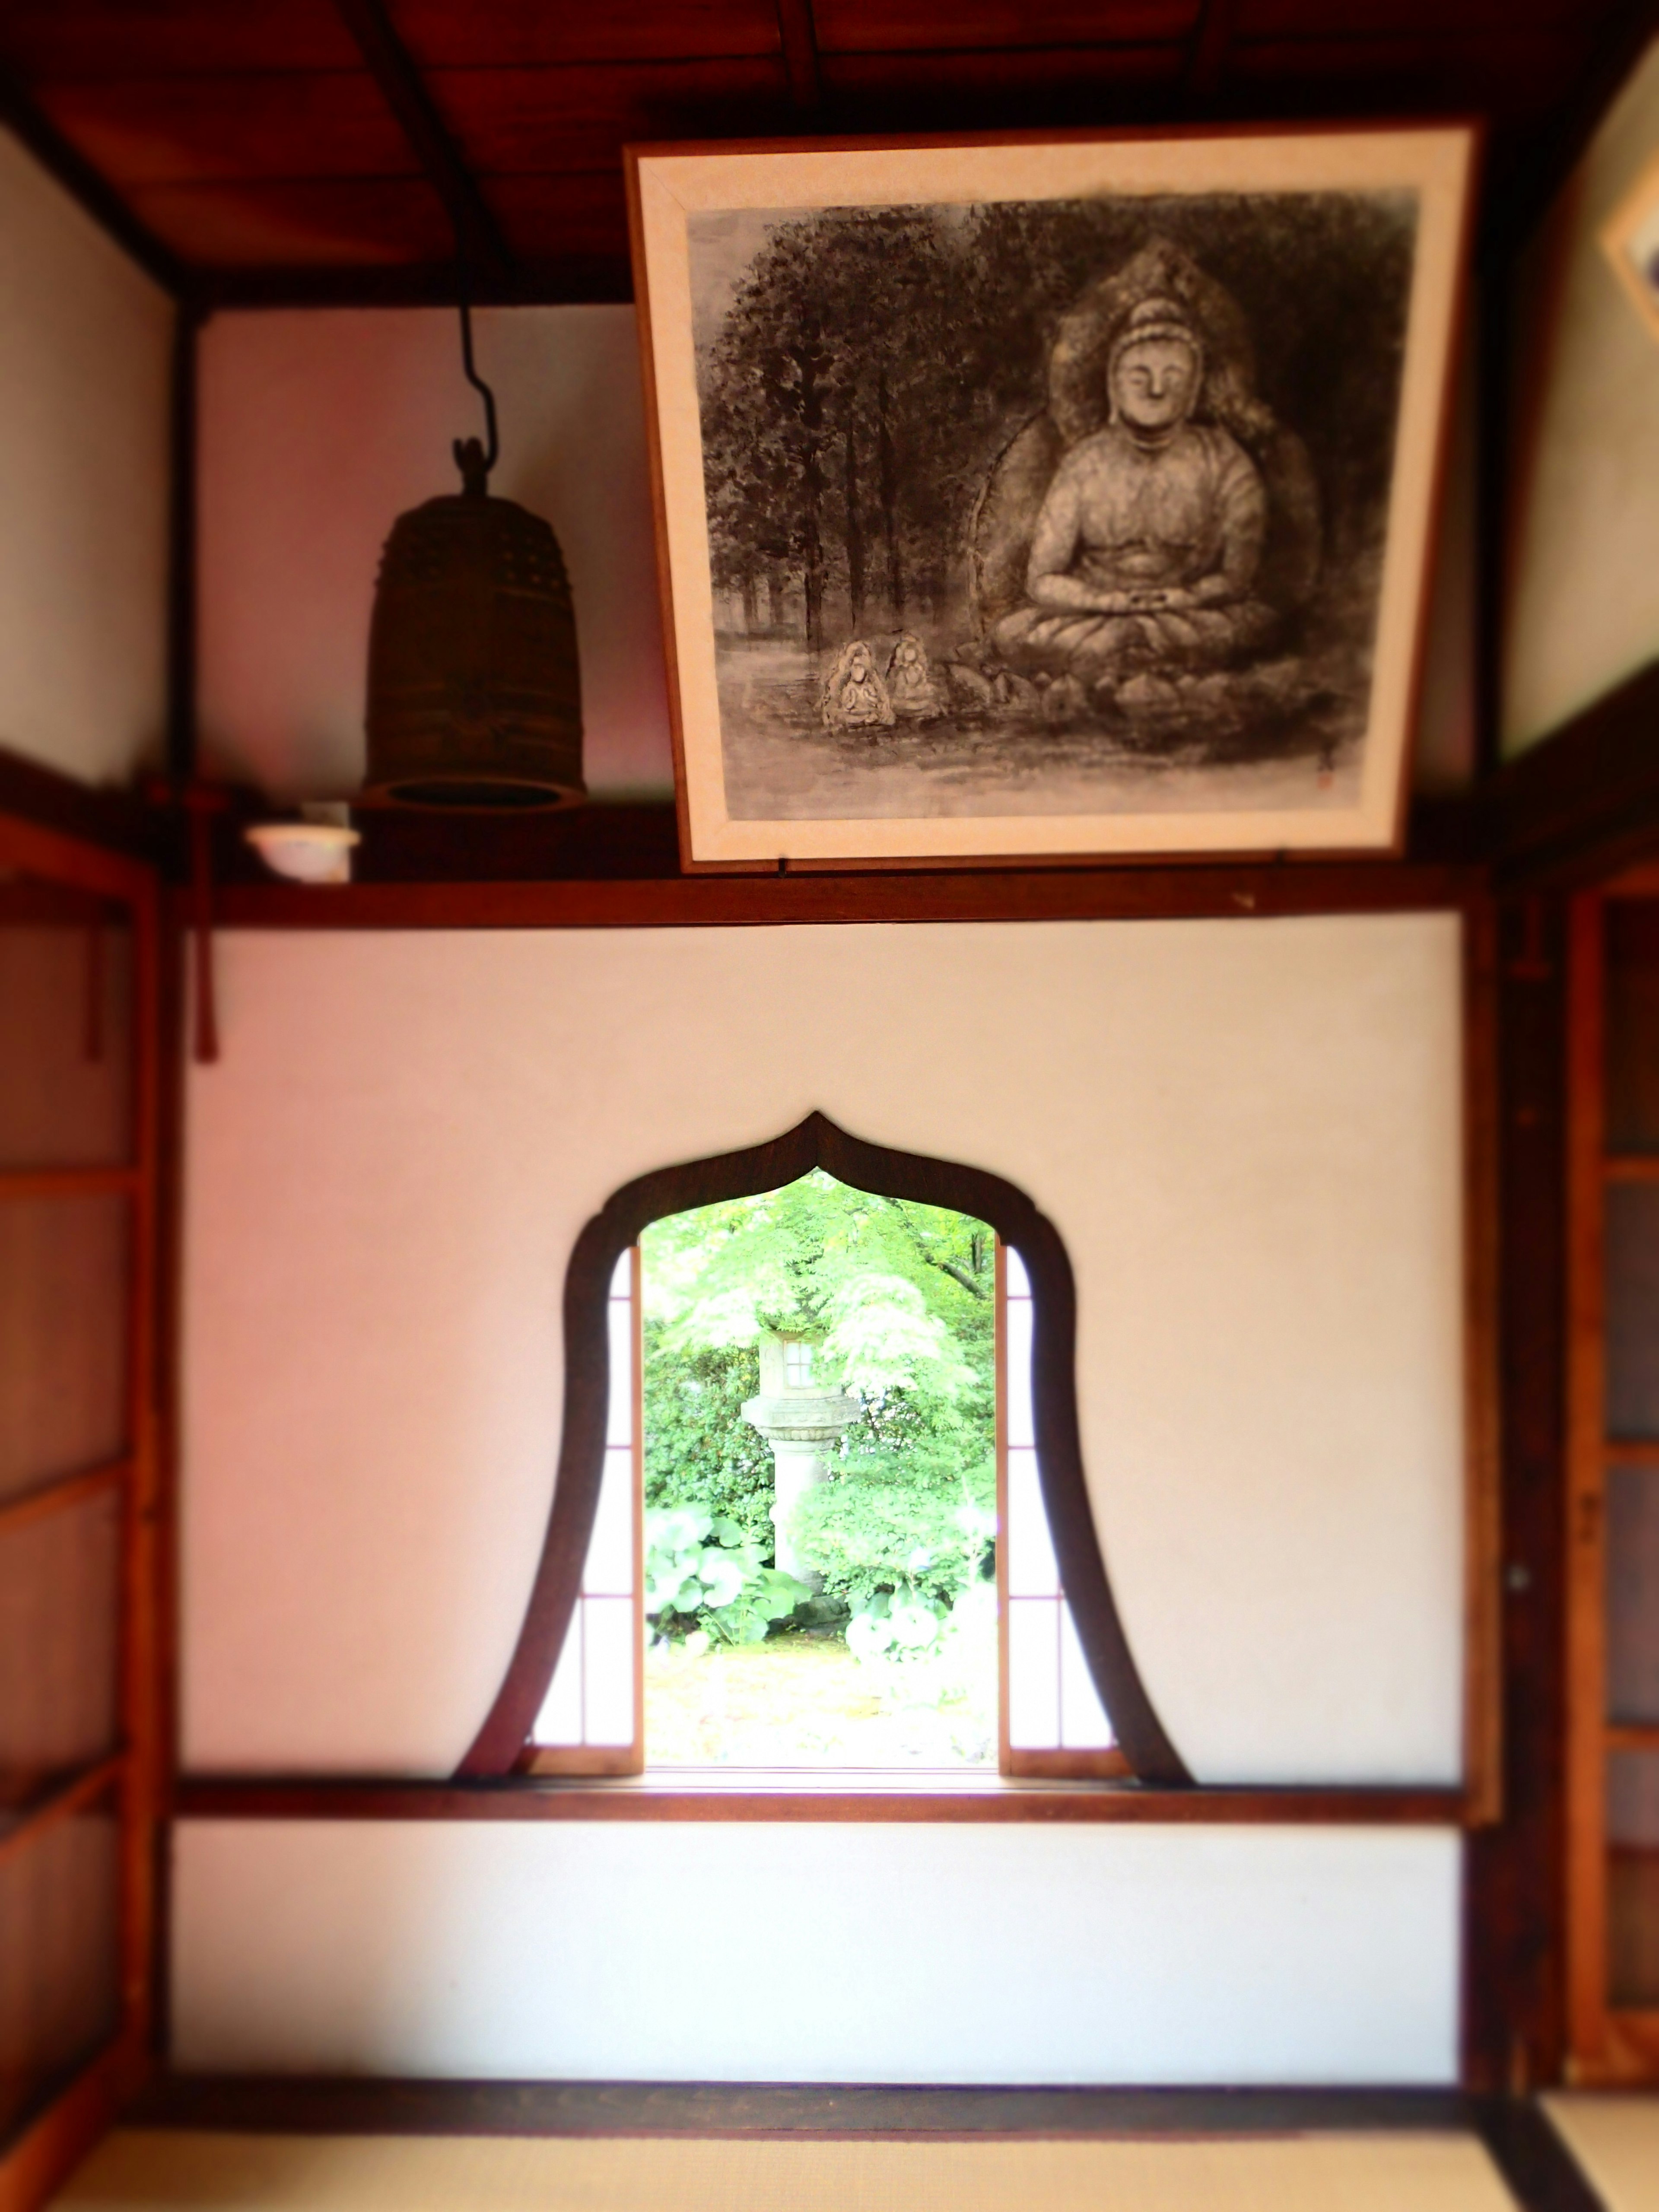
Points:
[(1206, 52), (1554, 149), (181, 551), (323, 2105), (799, 39), (1249, 891), (1489, 335), (1530, 2156), (1527, 2151), (639, 843), (90, 188), (1583, 804), (478, 237), (97, 814), (576, 280), (415, 845), (1513, 1931), (172, 1063)]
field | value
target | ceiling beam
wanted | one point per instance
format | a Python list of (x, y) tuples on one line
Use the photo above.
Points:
[(800, 40), (1554, 149), (577, 279), (479, 238), (90, 188), (1206, 52)]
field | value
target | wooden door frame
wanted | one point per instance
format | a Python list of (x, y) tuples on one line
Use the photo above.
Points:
[(54, 2139)]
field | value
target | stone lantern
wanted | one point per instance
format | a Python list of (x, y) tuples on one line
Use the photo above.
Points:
[(801, 1419)]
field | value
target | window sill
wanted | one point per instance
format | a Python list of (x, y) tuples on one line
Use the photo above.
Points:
[(803, 1794)]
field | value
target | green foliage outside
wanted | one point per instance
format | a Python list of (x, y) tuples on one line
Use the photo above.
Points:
[(701, 1568), (901, 1299), (699, 1450)]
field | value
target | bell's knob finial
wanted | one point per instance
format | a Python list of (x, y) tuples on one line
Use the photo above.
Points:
[(470, 461)]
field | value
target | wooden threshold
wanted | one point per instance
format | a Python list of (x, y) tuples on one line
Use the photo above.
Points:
[(325, 2105), (1534, 2161), (730, 1794), (58, 1496), (1262, 891), (66, 1182)]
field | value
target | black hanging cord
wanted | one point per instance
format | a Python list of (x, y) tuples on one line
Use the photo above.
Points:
[(473, 462)]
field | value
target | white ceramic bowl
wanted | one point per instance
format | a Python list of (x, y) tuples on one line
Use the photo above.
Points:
[(305, 851)]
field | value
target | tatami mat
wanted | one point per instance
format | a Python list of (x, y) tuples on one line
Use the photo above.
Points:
[(1615, 2141), (212, 2172)]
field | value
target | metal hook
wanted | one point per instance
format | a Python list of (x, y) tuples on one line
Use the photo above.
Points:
[(469, 458)]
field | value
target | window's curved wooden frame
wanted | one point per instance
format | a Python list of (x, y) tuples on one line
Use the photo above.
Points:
[(818, 1143)]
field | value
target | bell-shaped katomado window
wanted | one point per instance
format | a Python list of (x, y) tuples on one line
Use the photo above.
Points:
[(826, 1511)]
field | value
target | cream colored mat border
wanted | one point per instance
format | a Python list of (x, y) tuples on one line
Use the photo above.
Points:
[(206, 2173), (1616, 2141)]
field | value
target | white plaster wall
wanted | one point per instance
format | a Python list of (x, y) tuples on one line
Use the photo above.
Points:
[(318, 428), (85, 347), (1248, 1135), (1583, 603), (983, 1954)]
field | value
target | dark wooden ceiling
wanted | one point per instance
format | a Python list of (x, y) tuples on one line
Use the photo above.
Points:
[(317, 149)]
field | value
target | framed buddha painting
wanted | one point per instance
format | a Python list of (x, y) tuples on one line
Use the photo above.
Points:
[(1046, 495)]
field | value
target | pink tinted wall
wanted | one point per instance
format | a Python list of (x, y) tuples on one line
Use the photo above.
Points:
[(318, 428)]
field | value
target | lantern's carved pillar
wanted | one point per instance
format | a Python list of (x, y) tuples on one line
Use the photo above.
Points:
[(802, 1422)]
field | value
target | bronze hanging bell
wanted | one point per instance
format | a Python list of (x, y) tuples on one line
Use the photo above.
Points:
[(474, 691)]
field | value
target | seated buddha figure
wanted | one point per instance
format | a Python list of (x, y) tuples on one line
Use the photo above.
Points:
[(854, 696), (1145, 550)]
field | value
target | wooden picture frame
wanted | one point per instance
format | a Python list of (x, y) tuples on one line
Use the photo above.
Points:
[(1043, 495)]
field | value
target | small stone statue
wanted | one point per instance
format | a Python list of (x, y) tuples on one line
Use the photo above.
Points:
[(854, 697), (910, 683)]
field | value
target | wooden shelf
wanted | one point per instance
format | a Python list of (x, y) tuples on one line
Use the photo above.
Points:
[(1632, 1735), (1632, 1167), (964, 892), (829, 1794)]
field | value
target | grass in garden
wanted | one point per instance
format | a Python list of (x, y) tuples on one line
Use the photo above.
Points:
[(800, 1700)]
